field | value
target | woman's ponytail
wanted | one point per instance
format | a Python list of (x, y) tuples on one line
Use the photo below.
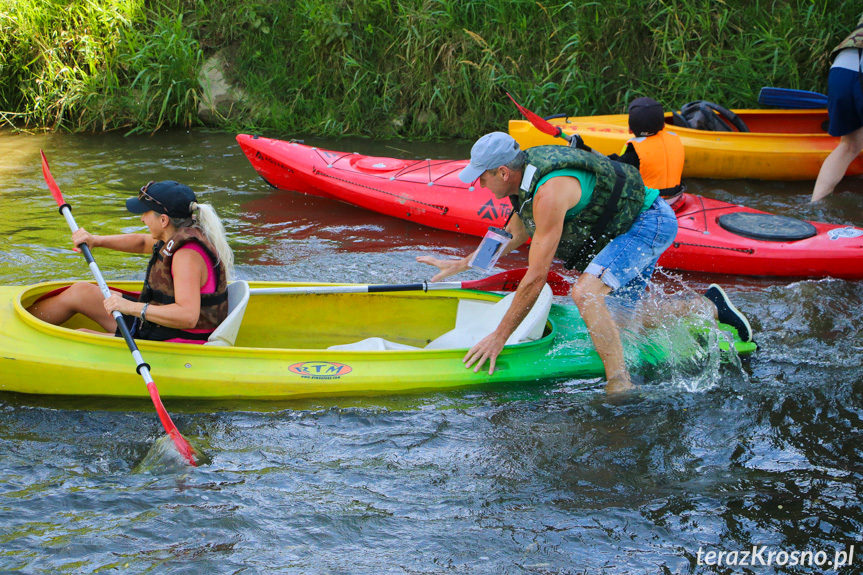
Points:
[(211, 225)]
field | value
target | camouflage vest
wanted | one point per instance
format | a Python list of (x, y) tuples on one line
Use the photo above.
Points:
[(159, 287), (853, 40), (616, 201)]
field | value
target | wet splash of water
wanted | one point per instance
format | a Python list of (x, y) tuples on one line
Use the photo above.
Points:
[(164, 459), (674, 329)]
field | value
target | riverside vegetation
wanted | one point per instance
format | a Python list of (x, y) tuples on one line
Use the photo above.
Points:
[(424, 69)]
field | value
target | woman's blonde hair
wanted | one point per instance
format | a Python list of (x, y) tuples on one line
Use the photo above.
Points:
[(209, 222)]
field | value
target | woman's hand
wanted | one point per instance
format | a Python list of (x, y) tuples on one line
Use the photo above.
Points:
[(82, 236), (119, 303), (446, 267)]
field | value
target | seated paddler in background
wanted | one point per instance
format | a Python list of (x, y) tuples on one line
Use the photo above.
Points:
[(184, 297), (593, 213)]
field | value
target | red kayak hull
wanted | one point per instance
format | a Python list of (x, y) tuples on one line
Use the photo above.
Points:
[(429, 192)]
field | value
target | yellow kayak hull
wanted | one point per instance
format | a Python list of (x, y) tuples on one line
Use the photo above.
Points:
[(281, 352), (781, 144)]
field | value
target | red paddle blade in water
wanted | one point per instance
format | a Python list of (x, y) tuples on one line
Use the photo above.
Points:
[(181, 443), (538, 122)]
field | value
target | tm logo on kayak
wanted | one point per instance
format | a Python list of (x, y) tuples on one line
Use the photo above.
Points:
[(320, 369), (488, 211)]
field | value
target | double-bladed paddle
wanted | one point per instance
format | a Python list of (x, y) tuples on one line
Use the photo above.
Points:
[(504, 281), (143, 368)]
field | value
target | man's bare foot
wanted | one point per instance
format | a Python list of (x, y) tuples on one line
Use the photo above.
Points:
[(618, 384)]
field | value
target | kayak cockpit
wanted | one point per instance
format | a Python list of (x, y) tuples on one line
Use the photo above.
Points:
[(383, 321), (447, 319)]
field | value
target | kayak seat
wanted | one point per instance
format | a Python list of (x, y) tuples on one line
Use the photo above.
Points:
[(475, 319), (238, 299)]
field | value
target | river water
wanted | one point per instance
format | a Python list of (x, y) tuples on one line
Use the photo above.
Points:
[(551, 478)]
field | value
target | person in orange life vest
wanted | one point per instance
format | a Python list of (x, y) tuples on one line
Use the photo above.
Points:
[(656, 152), (185, 290), (844, 110)]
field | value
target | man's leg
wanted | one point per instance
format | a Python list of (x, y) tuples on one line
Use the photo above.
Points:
[(628, 260), (589, 295)]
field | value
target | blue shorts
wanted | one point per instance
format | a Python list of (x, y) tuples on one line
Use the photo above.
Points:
[(626, 264), (844, 101)]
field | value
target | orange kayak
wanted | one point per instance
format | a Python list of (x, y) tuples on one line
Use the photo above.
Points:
[(781, 144)]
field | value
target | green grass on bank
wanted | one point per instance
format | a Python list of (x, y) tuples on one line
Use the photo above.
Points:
[(399, 68)]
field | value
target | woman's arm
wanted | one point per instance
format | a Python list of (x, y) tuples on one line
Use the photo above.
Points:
[(189, 273), (129, 243)]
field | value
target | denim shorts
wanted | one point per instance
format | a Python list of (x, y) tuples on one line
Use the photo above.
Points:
[(626, 264)]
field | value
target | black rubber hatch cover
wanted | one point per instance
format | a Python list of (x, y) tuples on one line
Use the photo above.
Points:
[(768, 227)]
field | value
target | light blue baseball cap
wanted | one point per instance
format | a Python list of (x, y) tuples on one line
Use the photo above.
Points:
[(491, 151)]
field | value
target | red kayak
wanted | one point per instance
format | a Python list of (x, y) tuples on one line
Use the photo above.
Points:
[(714, 236)]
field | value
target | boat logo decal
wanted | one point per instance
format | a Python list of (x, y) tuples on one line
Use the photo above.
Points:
[(320, 369), (266, 158), (488, 211), (846, 232)]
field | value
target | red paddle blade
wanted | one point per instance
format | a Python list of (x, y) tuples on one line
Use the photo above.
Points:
[(509, 281), (180, 442), (538, 122), (49, 179)]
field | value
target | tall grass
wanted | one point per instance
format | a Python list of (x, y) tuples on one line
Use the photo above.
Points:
[(402, 68), (97, 65)]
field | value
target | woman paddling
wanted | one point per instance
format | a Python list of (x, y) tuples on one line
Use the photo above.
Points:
[(184, 297)]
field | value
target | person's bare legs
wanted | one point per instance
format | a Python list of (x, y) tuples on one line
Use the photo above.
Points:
[(81, 297), (589, 296), (834, 167)]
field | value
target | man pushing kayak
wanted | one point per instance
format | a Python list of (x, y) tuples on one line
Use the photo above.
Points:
[(594, 214)]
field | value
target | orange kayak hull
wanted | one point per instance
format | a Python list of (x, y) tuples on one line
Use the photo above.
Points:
[(781, 144)]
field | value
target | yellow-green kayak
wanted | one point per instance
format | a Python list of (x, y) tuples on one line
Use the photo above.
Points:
[(281, 348)]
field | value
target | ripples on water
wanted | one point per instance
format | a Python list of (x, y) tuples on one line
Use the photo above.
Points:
[(530, 478)]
